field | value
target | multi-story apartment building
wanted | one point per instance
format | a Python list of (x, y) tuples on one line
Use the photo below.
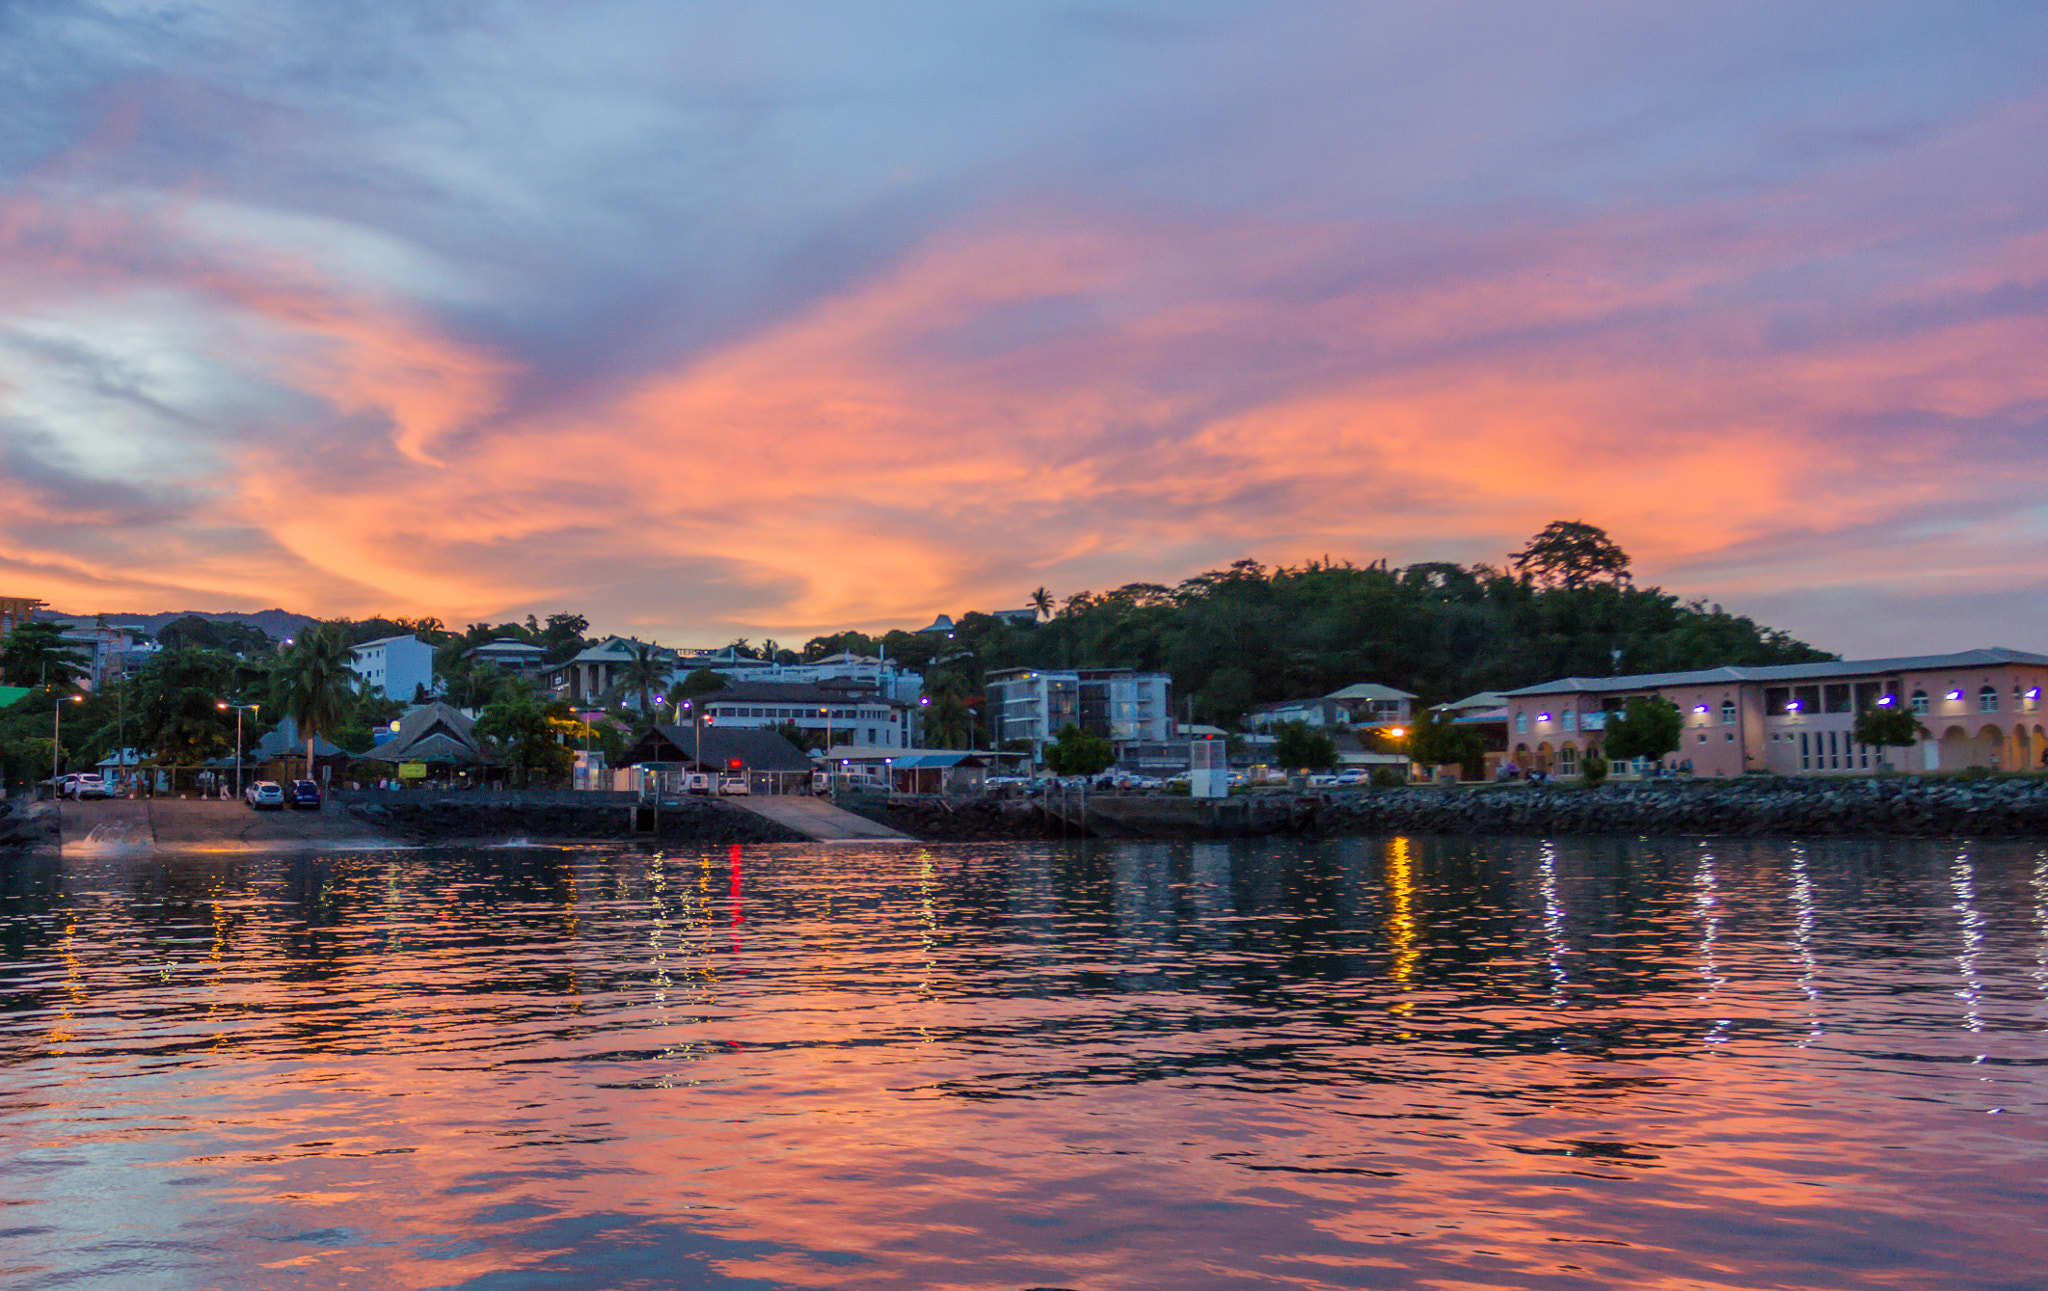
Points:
[(400, 665), (1121, 705), (1976, 708)]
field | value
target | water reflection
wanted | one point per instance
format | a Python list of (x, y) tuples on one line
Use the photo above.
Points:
[(1469, 1061)]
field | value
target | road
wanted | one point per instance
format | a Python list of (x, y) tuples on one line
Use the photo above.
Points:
[(209, 825)]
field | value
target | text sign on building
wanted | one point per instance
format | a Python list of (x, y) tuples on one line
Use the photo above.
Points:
[(412, 770)]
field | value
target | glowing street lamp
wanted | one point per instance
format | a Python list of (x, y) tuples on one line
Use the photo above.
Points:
[(56, 737), (223, 705)]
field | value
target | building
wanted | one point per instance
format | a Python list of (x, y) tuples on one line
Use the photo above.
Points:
[(15, 611), (112, 650), (873, 672), (521, 658), (840, 713), (1125, 707), (1978, 708), (590, 676), (1365, 704), (770, 763), (399, 665)]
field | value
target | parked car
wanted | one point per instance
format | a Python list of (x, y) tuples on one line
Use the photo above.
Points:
[(83, 784), (264, 794), (304, 794), (1351, 777), (697, 782), (735, 784)]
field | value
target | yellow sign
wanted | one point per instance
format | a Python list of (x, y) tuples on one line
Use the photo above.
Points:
[(412, 770)]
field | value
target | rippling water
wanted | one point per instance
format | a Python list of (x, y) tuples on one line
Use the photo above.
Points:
[(1443, 1063)]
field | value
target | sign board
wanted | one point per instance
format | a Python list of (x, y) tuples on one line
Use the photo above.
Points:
[(412, 770), (1208, 769)]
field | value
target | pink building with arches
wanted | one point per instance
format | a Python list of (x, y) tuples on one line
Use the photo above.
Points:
[(1979, 708)]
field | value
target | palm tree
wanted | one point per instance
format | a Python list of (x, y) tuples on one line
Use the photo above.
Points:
[(313, 683), (1041, 601), (644, 673)]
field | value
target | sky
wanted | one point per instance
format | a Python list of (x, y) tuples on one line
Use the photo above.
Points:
[(766, 320)]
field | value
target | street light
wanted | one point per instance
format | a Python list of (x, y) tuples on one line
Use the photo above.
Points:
[(56, 738), (223, 705)]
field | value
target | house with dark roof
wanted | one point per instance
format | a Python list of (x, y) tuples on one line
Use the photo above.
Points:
[(1975, 708), (434, 734), (770, 763)]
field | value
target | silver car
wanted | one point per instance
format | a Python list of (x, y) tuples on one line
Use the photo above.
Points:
[(264, 794)]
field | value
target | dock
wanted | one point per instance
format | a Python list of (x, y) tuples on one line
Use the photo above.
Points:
[(819, 820)]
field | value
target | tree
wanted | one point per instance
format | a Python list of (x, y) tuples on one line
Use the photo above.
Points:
[(1570, 554), (703, 681), (1438, 740), (643, 673), (195, 632), (1893, 726), (1041, 603), (1301, 746), (533, 736), (1076, 752), (35, 655), (1648, 728), (313, 684)]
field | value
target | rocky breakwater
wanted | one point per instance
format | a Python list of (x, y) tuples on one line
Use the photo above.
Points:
[(1907, 806), (418, 818), (24, 825)]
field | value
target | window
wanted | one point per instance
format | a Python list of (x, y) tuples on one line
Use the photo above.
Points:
[(1521, 723), (1805, 758), (1728, 713), (1776, 699), (1919, 701), (1987, 700), (1569, 719), (1835, 699)]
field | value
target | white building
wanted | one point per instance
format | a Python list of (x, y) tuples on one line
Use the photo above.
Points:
[(1120, 705), (398, 665), (836, 715)]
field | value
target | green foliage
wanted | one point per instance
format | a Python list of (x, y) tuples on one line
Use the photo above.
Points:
[(313, 684), (176, 714), (1299, 746), (1246, 634), (1649, 727), (195, 633), (1570, 554), (1076, 752), (643, 675), (702, 682), (1592, 768), (1387, 778), (34, 655), (535, 740), (1891, 727), (803, 740), (1437, 740)]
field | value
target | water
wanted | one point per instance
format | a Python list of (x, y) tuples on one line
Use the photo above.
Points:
[(1367, 1063)]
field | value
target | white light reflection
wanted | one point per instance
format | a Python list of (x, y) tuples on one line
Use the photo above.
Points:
[(2040, 886), (1553, 923), (1706, 904), (1962, 880), (1802, 939)]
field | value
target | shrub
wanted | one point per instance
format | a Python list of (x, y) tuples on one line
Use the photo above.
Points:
[(1593, 768)]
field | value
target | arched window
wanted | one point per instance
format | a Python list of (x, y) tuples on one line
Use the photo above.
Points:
[(1987, 700), (1727, 712), (1919, 701)]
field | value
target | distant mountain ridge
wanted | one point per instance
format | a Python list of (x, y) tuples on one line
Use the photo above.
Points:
[(276, 624)]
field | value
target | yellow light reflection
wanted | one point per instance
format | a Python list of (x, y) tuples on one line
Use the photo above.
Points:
[(1401, 931)]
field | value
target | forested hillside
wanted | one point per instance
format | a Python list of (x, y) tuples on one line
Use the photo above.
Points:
[(1245, 635)]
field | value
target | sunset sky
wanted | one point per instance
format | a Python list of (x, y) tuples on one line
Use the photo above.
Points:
[(770, 319)]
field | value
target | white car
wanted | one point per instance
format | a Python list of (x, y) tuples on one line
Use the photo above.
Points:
[(264, 794), (84, 784), (735, 785)]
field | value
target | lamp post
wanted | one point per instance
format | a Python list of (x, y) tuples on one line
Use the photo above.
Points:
[(223, 705), (56, 741)]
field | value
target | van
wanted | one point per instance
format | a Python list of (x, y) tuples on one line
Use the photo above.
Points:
[(697, 782)]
